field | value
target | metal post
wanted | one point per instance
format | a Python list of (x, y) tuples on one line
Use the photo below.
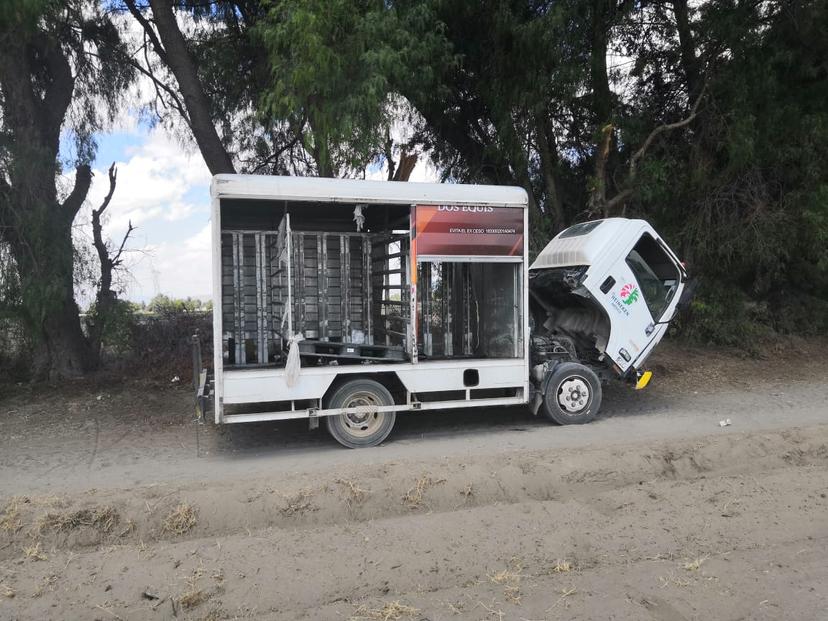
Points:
[(368, 290), (322, 257), (196, 341)]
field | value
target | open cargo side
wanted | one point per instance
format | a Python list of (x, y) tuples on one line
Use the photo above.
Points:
[(441, 327)]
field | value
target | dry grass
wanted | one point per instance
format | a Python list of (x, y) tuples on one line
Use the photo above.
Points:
[(48, 583), (562, 567), (298, 503), (510, 578), (413, 498), (512, 594), (192, 599), (696, 564), (101, 518), (10, 521), (513, 573), (492, 610), (129, 528), (468, 491), (34, 553), (672, 579), (355, 493), (193, 596), (565, 593), (216, 614), (180, 520), (389, 612)]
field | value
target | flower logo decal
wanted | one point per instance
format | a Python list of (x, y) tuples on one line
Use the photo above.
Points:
[(629, 294)]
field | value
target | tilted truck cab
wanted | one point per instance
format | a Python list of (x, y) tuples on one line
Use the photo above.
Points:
[(348, 301), (601, 295)]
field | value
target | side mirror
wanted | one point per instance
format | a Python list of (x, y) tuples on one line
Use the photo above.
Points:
[(687, 295)]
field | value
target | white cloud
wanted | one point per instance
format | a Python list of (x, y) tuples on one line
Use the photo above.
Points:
[(177, 268), (152, 184), (162, 189)]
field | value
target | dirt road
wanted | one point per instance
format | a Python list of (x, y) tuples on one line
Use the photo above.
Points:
[(113, 508)]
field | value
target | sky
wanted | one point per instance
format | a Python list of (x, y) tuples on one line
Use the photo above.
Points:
[(163, 188)]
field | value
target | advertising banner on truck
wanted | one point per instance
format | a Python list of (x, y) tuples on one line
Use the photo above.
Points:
[(468, 230)]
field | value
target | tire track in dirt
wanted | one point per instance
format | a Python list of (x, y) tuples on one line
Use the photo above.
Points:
[(389, 490), (709, 546)]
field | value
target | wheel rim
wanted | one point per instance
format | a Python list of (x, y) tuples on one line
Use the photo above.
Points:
[(573, 394), (364, 420)]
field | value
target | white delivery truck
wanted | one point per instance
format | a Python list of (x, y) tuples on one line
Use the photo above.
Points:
[(350, 301)]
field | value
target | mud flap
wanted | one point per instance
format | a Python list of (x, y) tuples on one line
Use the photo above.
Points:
[(643, 379)]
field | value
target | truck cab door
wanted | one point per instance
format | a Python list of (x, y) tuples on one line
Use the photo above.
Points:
[(640, 291)]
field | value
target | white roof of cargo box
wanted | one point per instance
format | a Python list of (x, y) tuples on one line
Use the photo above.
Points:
[(319, 189)]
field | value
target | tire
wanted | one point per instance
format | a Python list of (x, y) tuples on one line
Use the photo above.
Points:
[(572, 395), (364, 429)]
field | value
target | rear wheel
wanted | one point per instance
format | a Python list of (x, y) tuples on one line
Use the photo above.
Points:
[(363, 426), (573, 394)]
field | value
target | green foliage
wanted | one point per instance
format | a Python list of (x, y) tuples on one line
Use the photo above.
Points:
[(118, 325), (336, 66), (724, 316), (61, 80), (505, 93), (165, 305)]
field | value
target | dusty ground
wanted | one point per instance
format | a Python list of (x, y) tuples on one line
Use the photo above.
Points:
[(119, 507)]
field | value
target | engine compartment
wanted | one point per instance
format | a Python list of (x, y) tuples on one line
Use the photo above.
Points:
[(564, 319)]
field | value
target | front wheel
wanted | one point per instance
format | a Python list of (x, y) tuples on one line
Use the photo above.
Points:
[(364, 426), (573, 394)]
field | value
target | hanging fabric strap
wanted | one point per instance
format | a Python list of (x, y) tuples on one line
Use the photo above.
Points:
[(294, 362)]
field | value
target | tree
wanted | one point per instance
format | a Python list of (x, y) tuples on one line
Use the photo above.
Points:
[(212, 80), (58, 70), (170, 46), (109, 261), (336, 69), (705, 118)]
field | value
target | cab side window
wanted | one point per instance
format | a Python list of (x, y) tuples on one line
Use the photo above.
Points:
[(656, 273)]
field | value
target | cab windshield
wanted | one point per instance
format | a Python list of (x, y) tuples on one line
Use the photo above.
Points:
[(656, 273)]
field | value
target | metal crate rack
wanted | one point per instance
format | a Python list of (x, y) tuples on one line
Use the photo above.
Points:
[(331, 299), (253, 296), (344, 288)]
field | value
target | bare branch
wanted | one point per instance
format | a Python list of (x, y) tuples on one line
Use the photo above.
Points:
[(97, 228), (624, 194), (159, 86), (664, 128), (617, 199), (148, 29), (113, 179), (116, 260)]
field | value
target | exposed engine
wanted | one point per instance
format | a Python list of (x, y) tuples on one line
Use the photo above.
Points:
[(545, 348), (566, 322)]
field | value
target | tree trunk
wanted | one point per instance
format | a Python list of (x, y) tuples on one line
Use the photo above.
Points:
[(177, 57), (687, 45), (549, 159), (601, 103), (599, 78), (61, 349)]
